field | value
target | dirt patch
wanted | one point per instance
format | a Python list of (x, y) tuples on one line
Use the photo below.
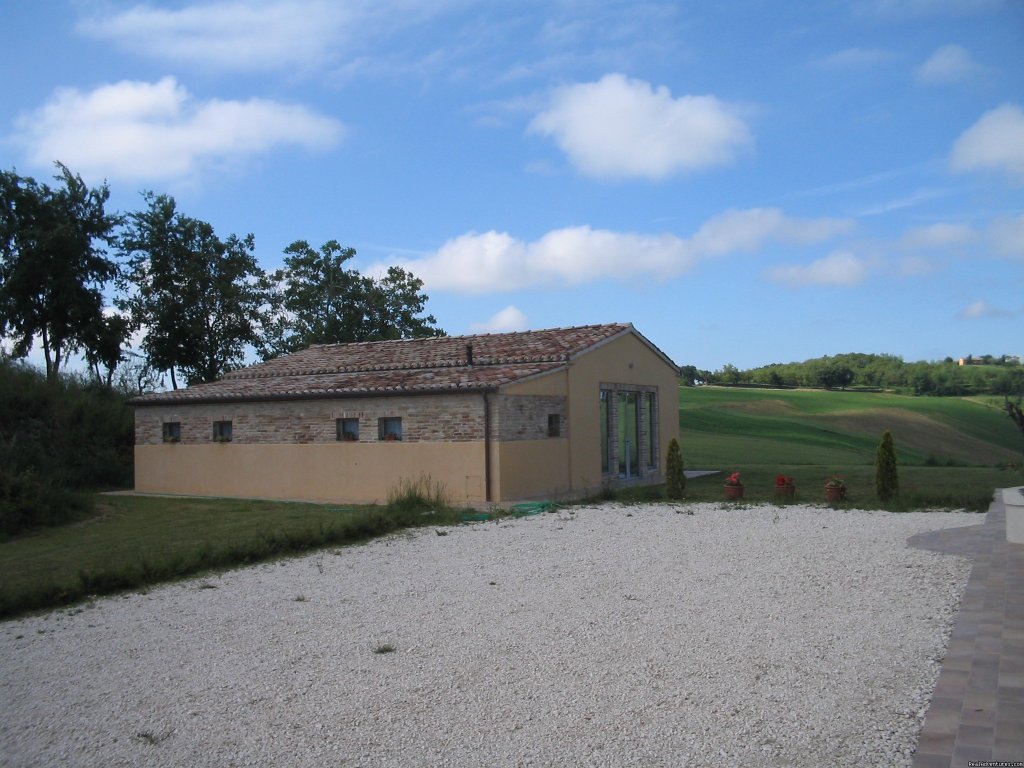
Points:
[(919, 433), (764, 408)]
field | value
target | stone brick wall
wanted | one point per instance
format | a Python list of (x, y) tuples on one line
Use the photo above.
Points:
[(525, 417), (427, 418)]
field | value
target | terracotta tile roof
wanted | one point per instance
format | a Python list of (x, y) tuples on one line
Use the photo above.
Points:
[(397, 367)]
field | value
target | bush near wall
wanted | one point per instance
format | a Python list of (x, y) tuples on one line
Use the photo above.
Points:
[(55, 439)]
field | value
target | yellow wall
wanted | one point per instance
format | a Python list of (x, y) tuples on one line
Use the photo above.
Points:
[(531, 469), (626, 360), (340, 472)]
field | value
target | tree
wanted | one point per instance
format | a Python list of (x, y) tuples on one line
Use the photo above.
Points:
[(53, 265), (320, 301), (395, 303), (201, 300), (104, 340), (730, 374), (887, 483), (1013, 410), (675, 475), (835, 375)]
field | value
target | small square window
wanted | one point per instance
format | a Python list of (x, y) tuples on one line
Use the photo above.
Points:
[(222, 431), (172, 431), (348, 430), (554, 425), (389, 428)]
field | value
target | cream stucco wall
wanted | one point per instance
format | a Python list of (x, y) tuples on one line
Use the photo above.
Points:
[(625, 361), (532, 469), (329, 472)]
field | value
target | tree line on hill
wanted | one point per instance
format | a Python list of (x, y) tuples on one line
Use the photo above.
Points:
[(199, 301), (996, 375)]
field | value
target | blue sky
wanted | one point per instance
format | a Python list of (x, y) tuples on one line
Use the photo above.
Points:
[(746, 181)]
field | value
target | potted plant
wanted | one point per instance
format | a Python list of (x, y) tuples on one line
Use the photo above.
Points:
[(785, 486), (350, 437), (390, 437), (835, 488), (733, 486)]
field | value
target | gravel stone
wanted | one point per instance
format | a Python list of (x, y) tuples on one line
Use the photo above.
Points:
[(596, 636)]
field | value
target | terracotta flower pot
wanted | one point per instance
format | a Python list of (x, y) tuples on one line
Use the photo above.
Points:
[(733, 492), (833, 493), (785, 491)]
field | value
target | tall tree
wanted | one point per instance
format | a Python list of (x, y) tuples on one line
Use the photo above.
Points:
[(201, 300), (321, 301), (104, 345), (887, 483), (395, 305), (675, 474), (53, 264)]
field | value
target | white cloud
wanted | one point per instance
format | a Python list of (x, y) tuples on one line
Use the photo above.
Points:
[(749, 229), (839, 268), (496, 261), (855, 58), (949, 64), (915, 198), (915, 266), (937, 236), (508, 319), (623, 128), (979, 309), (1007, 236), (234, 36), (994, 143), (148, 131)]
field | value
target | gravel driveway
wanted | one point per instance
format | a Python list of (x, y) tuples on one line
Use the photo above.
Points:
[(604, 636)]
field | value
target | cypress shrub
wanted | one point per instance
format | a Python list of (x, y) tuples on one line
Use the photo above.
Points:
[(675, 477), (887, 483)]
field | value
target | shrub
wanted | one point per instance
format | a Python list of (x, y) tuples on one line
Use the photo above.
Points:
[(74, 433), (26, 503), (887, 483), (675, 475)]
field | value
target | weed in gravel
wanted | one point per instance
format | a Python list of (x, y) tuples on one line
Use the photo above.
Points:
[(151, 738), (301, 599), (385, 648), (207, 585)]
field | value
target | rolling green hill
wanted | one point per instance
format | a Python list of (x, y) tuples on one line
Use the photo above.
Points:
[(722, 426)]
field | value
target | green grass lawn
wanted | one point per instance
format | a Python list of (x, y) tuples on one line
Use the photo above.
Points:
[(133, 541)]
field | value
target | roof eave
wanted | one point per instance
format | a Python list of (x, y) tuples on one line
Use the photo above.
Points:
[(298, 396)]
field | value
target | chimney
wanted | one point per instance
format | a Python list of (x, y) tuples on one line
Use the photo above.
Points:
[(469, 354)]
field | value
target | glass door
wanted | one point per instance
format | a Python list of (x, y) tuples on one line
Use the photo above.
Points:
[(629, 434)]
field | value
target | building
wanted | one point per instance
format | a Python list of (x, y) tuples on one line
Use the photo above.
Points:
[(494, 417)]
